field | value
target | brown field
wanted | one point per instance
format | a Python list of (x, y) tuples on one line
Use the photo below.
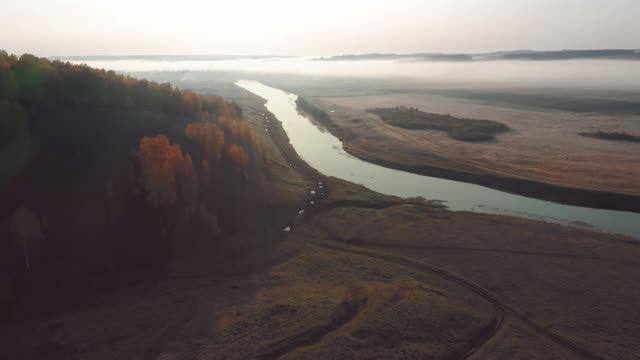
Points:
[(543, 146), (368, 276), (365, 275)]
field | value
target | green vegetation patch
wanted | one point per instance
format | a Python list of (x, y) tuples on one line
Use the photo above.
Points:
[(615, 136), (458, 128)]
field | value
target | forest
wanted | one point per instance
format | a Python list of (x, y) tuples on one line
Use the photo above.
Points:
[(106, 178)]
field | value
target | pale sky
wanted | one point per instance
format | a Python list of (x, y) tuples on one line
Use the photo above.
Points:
[(315, 27)]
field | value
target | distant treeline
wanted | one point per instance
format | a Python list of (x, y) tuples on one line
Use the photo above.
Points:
[(620, 54), (417, 56), (457, 128), (616, 136), (165, 57), (574, 54), (103, 176)]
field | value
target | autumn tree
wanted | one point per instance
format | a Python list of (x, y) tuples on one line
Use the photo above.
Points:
[(216, 108), (165, 171), (158, 159), (210, 137), (167, 175), (192, 103), (238, 156)]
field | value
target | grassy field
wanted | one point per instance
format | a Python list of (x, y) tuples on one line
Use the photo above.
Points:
[(375, 277), (543, 146), (527, 267), (542, 156)]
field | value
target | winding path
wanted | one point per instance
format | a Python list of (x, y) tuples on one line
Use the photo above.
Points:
[(345, 312), (501, 308)]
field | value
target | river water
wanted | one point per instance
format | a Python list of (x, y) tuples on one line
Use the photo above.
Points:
[(323, 151)]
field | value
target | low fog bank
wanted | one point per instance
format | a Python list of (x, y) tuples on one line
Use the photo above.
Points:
[(587, 75)]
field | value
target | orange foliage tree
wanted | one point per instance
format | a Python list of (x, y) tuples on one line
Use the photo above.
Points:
[(238, 156), (165, 170), (209, 136), (192, 103)]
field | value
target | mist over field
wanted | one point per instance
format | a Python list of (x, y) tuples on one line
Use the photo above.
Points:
[(619, 75)]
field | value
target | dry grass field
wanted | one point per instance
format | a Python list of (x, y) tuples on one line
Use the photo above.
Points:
[(542, 146), (373, 277)]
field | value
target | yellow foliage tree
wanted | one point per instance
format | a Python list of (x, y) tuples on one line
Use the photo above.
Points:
[(209, 136)]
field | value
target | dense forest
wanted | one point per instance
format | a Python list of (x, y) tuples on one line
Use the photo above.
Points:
[(105, 178)]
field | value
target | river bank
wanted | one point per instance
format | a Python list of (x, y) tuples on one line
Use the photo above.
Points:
[(365, 143), (529, 188), (326, 153)]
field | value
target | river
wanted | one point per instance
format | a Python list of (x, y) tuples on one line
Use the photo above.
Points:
[(323, 151)]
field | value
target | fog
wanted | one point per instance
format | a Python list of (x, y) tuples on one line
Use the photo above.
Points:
[(615, 75)]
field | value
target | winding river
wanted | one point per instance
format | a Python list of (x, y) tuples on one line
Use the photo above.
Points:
[(323, 151)]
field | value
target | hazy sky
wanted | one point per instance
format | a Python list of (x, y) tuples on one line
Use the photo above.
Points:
[(313, 27)]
